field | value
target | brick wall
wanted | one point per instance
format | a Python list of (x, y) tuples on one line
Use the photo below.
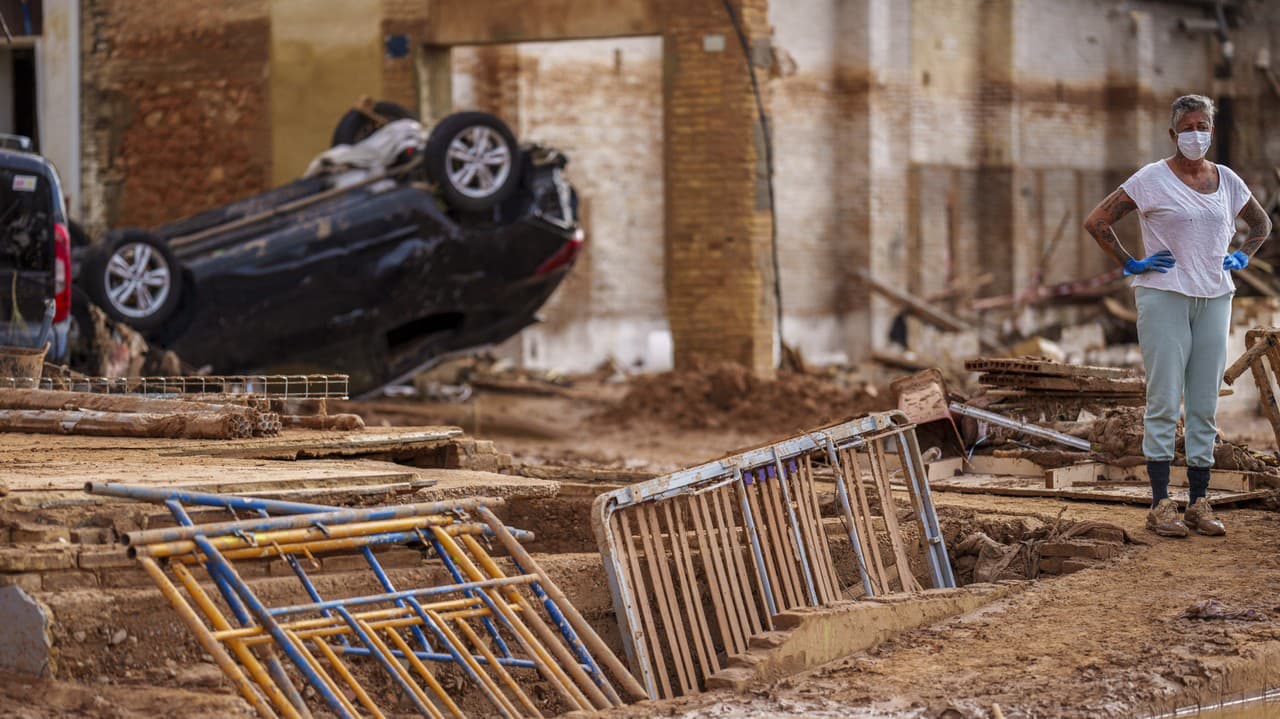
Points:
[(174, 100), (718, 266)]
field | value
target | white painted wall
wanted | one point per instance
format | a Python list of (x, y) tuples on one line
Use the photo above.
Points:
[(58, 94)]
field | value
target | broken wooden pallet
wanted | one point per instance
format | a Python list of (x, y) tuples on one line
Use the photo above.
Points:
[(1262, 358)]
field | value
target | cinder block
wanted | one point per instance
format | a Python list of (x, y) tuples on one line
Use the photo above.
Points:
[(69, 579), (105, 558), (32, 533), (92, 535), (123, 577), (29, 581), (29, 559)]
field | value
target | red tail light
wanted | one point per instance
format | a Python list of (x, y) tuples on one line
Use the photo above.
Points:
[(61, 272), (565, 255)]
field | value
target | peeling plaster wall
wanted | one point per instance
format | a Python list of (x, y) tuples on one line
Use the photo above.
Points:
[(600, 102)]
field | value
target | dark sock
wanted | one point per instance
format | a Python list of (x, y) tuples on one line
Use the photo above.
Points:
[(1198, 479), (1159, 474)]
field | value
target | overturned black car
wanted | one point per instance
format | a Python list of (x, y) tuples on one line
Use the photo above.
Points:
[(397, 248)]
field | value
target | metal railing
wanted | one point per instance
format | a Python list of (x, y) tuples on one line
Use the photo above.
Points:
[(312, 386), (700, 560), (502, 631)]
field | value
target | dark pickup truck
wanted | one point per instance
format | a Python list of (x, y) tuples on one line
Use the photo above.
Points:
[(398, 248)]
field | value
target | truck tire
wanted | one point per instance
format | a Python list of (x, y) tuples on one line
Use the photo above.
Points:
[(135, 278), (356, 126), (474, 159)]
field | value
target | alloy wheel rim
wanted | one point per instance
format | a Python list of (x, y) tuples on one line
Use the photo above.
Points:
[(138, 280), (479, 161)]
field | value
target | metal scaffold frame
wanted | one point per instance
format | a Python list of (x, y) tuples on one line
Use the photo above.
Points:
[(498, 628), (700, 560)]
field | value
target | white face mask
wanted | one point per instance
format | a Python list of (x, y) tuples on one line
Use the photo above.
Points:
[(1193, 144)]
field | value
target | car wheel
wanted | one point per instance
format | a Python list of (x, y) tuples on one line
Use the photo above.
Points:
[(135, 278), (474, 159), (356, 126)]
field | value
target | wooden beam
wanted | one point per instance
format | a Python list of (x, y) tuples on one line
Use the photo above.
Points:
[(467, 22)]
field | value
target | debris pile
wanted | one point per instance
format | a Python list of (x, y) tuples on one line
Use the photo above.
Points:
[(1040, 548), (714, 396), (1035, 382)]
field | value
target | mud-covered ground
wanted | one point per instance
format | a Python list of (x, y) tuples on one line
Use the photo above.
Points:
[(1107, 641)]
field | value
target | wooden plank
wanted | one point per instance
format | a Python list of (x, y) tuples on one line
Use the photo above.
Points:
[(1063, 477), (1031, 365), (689, 589), (943, 468), (676, 580), (760, 618), (924, 310), (1124, 493), (823, 543), (1226, 480), (662, 595), (785, 541), (876, 573), (1016, 466), (643, 597), (1257, 348), (718, 582), (889, 510), (315, 444), (1101, 385)]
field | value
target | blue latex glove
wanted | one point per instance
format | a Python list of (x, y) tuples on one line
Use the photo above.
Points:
[(1160, 262), (1235, 261)]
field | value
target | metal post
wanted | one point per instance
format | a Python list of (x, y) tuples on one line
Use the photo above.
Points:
[(795, 529), (843, 493), (756, 552)]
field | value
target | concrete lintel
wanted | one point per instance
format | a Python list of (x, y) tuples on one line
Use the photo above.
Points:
[(24, 642), (466, 22), (807, 638)]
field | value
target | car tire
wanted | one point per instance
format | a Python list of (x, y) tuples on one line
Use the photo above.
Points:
[(474, 159), (356, 126), (135, 278)]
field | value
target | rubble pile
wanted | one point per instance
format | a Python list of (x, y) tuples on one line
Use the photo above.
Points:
[(729, 396), (1037, 548)]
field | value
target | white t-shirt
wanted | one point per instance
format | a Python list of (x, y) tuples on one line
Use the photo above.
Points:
[(1196, 227)]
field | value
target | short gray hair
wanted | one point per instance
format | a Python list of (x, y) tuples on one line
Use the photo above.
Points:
[(1191, 103)]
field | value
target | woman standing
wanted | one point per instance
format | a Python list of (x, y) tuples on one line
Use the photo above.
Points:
[(1187, 208)]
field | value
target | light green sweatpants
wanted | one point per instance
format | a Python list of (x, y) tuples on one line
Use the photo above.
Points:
[(1184, 349)]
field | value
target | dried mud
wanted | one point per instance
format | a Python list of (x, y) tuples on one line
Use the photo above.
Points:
[(714, 396)]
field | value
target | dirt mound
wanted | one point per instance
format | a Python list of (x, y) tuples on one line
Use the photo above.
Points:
[(728, 396)]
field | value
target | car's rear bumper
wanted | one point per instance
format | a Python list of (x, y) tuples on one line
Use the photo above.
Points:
[(27, 334)]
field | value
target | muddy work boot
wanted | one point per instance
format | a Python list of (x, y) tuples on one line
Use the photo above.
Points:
[(1163, 520), (1199, 517)]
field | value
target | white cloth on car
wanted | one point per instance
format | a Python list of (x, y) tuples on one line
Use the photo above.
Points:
[(1196, 227), (375, 153)]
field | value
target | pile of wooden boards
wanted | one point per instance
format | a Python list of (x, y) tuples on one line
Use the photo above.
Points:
[(1019, 380), (113, 415)]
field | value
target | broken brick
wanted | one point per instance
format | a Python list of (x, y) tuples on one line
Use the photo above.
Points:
[(31, 559)]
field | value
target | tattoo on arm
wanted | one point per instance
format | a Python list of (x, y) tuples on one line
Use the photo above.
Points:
[(1259, 226), (1115, 206)]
